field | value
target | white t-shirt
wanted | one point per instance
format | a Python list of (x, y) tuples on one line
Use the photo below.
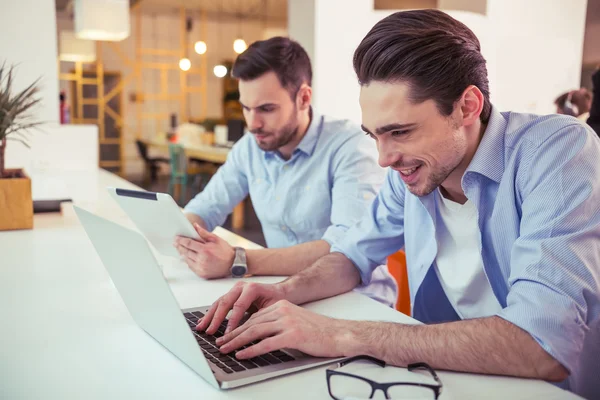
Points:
[(458, 264)]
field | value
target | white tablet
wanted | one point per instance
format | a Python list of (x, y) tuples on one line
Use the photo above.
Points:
[(157, 216)]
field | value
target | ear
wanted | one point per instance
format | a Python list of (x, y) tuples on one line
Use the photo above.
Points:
[(471, 105), (304, 97)]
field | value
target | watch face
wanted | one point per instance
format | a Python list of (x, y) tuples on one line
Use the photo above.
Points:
[(238, 270)]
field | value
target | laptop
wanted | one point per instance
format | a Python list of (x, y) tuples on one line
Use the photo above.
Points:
[(138, 278)]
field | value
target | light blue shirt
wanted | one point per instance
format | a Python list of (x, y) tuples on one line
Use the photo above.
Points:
[(535, 181), (323, 189)]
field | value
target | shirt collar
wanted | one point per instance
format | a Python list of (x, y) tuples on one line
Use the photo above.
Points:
[(309, 141), (489, 157)]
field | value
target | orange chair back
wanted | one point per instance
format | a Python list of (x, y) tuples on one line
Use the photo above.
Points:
[(397, 266)]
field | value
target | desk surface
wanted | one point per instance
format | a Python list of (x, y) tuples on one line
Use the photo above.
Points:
[(204, 152), (66, 333)]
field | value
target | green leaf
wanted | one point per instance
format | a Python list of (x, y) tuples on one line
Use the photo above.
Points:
[(16, 109)]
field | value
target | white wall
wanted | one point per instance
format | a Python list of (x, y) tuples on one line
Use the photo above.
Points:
[(28, 38), (539, 48), (335, 87), (301, 17), (530, 60)]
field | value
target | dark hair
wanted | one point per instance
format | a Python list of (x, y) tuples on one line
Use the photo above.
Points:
[(561, 100), (436, 55), (281, 55), (582, 98)]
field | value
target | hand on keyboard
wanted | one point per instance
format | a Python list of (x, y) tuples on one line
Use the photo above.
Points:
[(286, 325), (227, 362), (241, 298)]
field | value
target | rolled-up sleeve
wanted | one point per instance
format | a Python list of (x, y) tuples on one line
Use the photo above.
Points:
[(357, 179), (554, 283), (226, 189), (379, 233)]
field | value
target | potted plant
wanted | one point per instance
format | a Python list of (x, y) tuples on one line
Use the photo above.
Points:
[(16, 205)]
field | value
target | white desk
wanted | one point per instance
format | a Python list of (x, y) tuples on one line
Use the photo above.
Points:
[(67, 335)]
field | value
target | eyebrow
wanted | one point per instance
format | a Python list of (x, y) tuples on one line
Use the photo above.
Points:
[(390, 127), (260, 106)]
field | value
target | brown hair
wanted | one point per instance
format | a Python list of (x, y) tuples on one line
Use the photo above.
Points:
[(436, 55), (285, 57), (582, 98)]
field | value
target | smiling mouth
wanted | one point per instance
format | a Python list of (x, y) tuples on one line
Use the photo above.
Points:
[(408, 172), (409, 175)]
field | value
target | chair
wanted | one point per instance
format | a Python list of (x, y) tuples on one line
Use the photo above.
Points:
[(397, 266), (152, 165), (182, 172)]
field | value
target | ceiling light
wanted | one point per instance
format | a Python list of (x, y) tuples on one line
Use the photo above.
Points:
[(185, 64), (220, 71)]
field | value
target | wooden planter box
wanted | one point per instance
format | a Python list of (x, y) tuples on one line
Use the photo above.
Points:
[(16, 206)]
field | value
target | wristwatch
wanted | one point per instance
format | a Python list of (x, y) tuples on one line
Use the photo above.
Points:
[(239, 267)]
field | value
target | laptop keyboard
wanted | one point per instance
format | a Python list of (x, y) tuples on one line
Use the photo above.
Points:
[(227, 362)]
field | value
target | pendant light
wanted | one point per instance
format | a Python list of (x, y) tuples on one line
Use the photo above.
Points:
[(102, 19), (219, 70), (185, 64), (239, 44)]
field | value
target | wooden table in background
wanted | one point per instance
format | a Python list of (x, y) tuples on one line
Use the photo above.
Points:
[(208, 153)]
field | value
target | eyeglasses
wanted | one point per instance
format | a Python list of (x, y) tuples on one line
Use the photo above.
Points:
[(342, 385)]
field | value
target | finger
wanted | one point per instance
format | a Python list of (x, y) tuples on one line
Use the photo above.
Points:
[(255, 332), (223, 307), (204, 234), (243, 303), (220, 314), (204, 321), (190, 244), (277, 342), (190, 261), (187, 253), (253, 321)]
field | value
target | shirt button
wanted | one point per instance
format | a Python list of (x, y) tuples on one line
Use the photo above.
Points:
[(258, 180), (283, 228), (277, 198), (307, 187), (286, 166)]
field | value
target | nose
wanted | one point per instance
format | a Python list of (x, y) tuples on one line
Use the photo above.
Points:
[(387, 155), (253, 121)]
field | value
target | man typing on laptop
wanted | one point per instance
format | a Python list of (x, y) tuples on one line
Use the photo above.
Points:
[(498, 213), (310, 177)]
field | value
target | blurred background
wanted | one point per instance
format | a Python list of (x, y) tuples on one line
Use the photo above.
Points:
[(148, 74)]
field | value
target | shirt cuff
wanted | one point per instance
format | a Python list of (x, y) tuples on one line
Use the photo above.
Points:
[(334, 234), (209, 220)]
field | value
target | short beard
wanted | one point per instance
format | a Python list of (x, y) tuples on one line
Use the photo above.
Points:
[(286, 134), (436, 179)]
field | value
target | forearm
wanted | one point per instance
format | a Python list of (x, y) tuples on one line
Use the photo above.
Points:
[(286, 261), (193, 218), (485, 345), (331, 275)]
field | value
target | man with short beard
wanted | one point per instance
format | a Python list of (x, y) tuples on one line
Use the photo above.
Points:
[(310, 177)]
